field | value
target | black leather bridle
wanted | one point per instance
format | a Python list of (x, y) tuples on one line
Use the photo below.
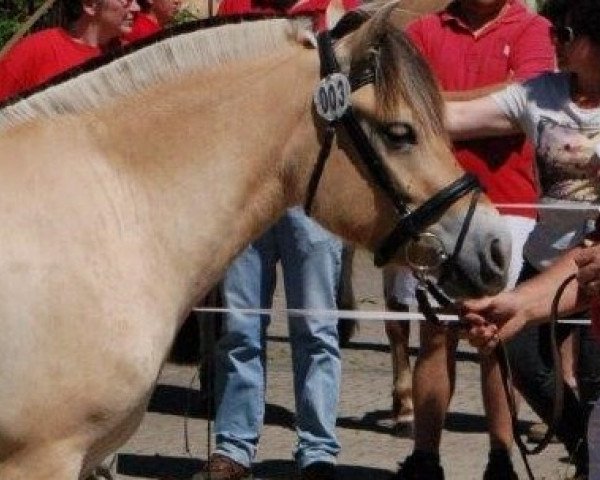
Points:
[(332, 102)]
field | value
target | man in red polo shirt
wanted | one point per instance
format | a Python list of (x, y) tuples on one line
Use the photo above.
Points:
[(474, 47), (98, 26)]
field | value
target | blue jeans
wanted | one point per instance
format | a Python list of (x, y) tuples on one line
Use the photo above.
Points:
[(311, 263)]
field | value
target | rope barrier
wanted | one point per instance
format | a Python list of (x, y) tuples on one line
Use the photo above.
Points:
[(361, 315), (550, 206)]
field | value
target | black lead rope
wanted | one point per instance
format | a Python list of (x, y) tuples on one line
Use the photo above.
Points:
[(507, 380)]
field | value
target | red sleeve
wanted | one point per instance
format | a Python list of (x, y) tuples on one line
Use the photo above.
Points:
[(532, 51)]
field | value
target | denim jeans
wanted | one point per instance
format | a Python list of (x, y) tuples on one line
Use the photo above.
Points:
[(311, 262)]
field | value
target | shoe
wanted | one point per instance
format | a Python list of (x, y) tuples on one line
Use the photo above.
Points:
[(421, 466), (318, 471), (536, 433), (499, 466), (221, 467)]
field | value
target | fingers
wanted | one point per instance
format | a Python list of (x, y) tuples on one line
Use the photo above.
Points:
[(591, 288), (485, 338), (588, 274), (474, 311)]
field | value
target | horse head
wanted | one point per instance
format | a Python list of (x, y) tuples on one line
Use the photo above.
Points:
[(395, 156)]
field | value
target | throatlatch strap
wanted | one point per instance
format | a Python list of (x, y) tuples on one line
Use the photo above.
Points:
[(318, 170)]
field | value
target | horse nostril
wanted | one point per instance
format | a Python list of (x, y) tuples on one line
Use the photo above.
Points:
[(497, 255), (495, 267)]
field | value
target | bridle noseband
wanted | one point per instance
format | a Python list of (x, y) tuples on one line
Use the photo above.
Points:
[(333, 105)]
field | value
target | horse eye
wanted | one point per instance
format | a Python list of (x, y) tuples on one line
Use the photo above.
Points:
[(399, 136)]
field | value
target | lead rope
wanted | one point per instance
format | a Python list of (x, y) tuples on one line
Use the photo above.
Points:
[(507, 381)]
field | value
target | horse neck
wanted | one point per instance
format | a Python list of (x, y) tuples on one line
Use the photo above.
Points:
[(217, 175)]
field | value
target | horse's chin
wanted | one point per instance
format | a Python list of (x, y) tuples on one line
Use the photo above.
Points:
[(460, 285)]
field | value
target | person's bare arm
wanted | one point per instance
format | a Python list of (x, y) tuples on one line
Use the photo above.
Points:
[(502, 316), (477, 118), (461, 96)]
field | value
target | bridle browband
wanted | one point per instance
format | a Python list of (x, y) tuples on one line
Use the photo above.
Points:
[(332, 102)]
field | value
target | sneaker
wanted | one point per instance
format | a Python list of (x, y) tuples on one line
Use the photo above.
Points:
[(499, 467), (221, 467), (421, 466), (318, 471)]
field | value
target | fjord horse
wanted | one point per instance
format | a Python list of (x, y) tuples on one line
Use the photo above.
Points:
[(129, 189)]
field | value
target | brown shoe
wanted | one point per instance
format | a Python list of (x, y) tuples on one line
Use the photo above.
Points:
[(221, 467)]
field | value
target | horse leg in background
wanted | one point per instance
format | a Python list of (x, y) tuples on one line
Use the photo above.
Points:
[(347, 327), (398, 291), (402, 404)]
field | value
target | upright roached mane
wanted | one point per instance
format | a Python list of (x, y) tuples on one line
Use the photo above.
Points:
[(124, 208), (134, 69)]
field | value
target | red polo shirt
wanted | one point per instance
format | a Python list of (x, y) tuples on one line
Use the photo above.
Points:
[(39, 57), (310, 8), (516, 46)]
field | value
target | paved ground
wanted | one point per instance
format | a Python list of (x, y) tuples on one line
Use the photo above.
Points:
[(370, 448)]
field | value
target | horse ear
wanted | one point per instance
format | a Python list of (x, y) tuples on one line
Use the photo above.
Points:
[(335, 11), (305, 34)]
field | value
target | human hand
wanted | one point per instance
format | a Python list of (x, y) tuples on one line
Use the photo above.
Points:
[(588, 273), (492, 319)]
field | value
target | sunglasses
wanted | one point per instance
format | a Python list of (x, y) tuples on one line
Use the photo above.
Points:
[(562, 34)]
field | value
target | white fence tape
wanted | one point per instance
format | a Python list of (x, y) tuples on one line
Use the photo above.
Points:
[(549, 206), (360, 315)]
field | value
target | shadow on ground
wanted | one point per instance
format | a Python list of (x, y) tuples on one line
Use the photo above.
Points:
[(473, 423), (191, 403), (180, 468), (378, 421)]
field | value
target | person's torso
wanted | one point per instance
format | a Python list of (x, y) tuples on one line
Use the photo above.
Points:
[(49, 53), (567, 146), (463, 61)]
